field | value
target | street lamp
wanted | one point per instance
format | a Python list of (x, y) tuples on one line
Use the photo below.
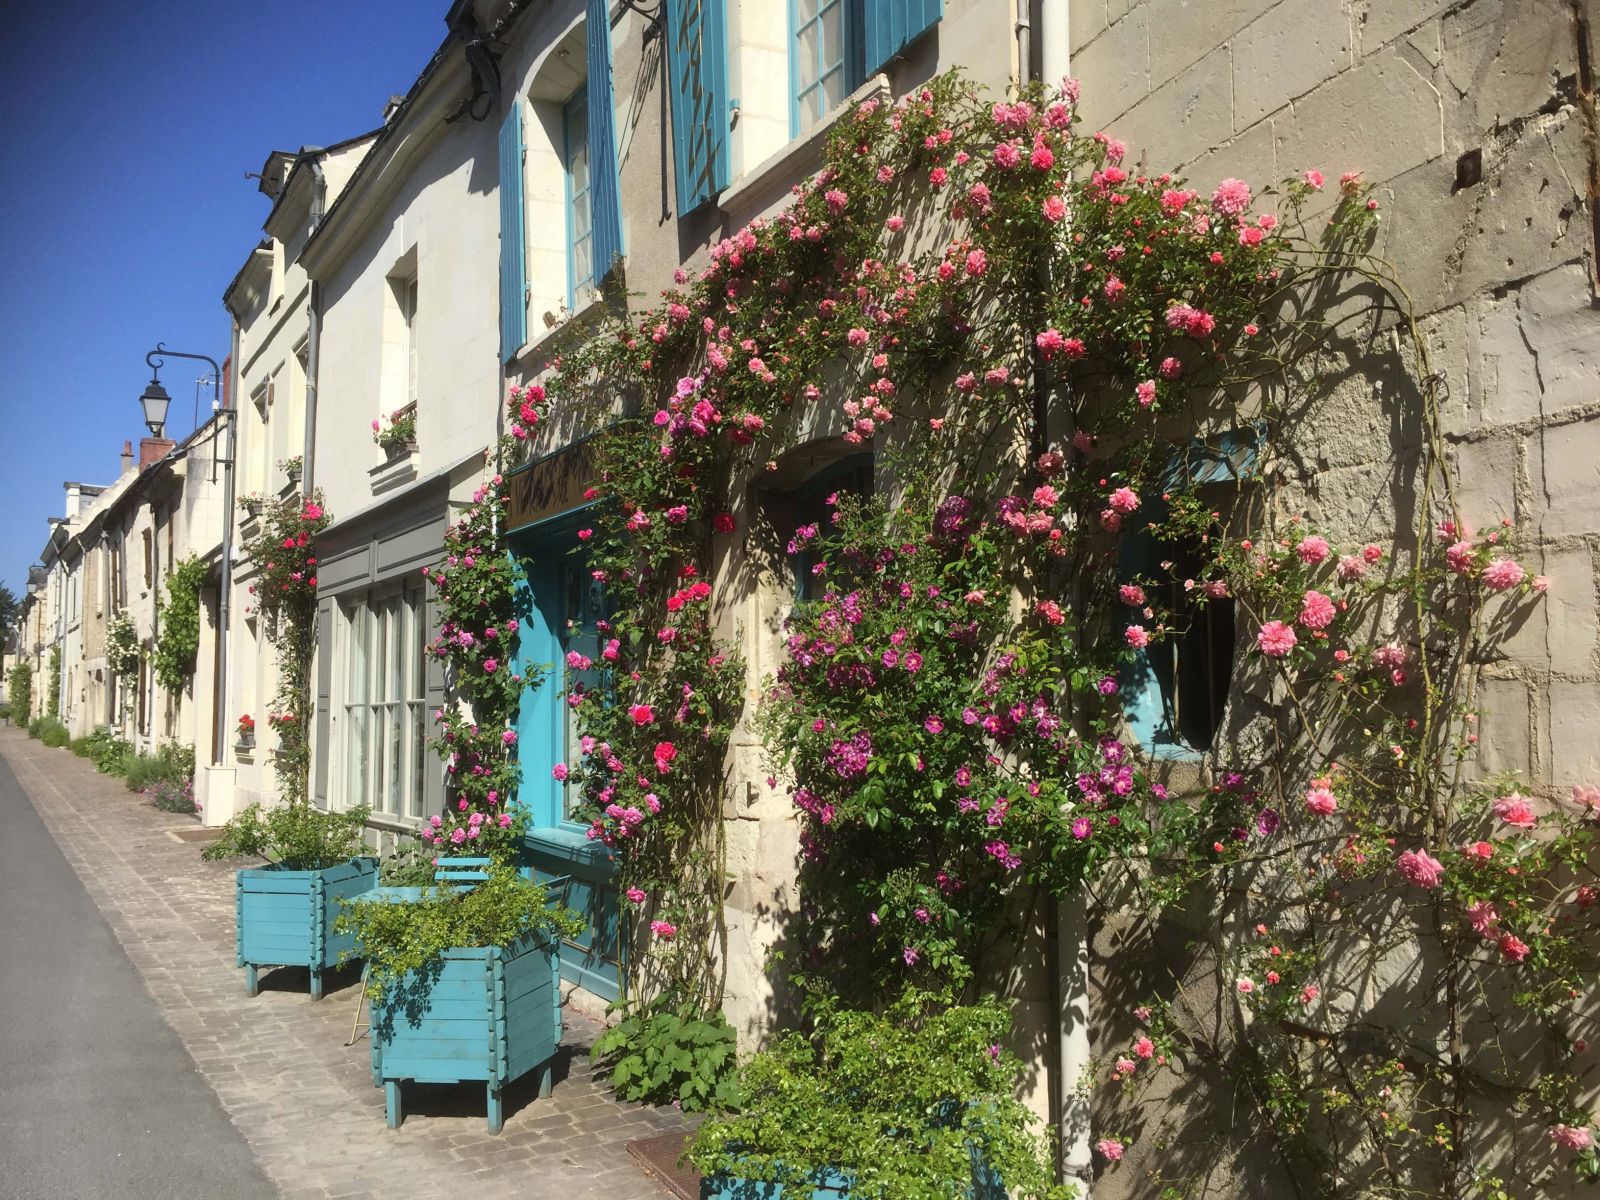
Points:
[(154, 399)]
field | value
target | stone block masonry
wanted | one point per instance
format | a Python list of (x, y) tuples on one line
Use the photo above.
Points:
[(303, 1100)]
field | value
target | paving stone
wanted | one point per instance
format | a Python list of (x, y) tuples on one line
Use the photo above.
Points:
[(303, 1100)]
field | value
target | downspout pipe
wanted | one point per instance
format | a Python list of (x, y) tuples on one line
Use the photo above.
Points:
[(1070, 946), (319, 196)]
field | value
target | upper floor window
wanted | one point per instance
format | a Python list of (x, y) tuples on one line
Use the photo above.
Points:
[(580, 239), (825, 58), (835, 44), (408, 314)]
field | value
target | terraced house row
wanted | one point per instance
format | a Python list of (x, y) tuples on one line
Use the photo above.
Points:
[(558, 160)]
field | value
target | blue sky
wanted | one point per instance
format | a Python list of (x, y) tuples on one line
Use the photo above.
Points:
[(126, 129)]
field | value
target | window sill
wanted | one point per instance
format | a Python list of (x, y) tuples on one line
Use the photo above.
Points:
[(803, 155), (585, 315), (394, 472)]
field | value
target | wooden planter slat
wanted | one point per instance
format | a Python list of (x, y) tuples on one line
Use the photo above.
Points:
[(285, 918), (459, 1026)]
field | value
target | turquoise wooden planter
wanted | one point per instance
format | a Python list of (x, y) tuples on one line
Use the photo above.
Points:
[(830, 1183), (490, 1013), (285, 918), (825, 1185)]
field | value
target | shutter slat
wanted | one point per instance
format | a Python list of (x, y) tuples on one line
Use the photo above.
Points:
[(513, 276), (892, 25), (697, 60), (604, 205)]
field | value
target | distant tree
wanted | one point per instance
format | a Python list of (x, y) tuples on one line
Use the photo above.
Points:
[(8, 611)]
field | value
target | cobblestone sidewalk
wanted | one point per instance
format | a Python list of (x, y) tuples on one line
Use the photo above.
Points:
[(303, 1100)]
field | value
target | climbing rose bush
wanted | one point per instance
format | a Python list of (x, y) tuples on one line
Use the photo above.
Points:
[(1055, 358)]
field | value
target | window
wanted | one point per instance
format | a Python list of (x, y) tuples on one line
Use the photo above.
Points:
[(580, 241), (408, 314), (1175, 691), (824, 62), (835, 44), (851, 475), (380, 700), (261, 401)]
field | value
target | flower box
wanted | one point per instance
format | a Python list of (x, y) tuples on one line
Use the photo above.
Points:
[(285, 918), (489, 1013)]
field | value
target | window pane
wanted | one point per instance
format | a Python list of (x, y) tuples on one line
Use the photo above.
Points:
[(809, 58), (832, 49)]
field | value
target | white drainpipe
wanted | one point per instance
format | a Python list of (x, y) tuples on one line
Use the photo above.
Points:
[(1072, 926)]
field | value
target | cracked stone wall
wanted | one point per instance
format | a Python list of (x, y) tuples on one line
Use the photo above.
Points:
[(1476, 121)]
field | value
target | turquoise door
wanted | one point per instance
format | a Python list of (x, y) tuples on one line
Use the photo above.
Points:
[(559, 606)]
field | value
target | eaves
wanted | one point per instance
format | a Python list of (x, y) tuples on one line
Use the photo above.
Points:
[(414, 128)]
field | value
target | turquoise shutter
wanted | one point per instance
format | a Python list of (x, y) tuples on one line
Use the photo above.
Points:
[(513, 281), (697, 58), (894, 24), (605, 208)]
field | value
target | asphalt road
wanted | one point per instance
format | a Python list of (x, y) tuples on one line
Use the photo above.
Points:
[(98, 1098)]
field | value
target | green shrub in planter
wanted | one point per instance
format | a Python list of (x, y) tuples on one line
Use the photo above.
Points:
[(299, 837), (916, 1103), (170, 764)]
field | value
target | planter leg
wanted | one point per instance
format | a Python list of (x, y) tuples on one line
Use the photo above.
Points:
[(547, 1075), (316, 983), (391, 1102), (497, 1117), (252, 980)]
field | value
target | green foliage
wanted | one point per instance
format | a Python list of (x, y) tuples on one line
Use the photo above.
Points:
[(411, 865), (178, 619), (898, 1101), (109, 753), (172, 764), (660, 1056), (299, 835), (52, 704), (123, 651), (19, 693), (53, 732), (285, 592), (401, 937)]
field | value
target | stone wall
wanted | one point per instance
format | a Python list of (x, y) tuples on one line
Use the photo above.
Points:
[(1475, 121)]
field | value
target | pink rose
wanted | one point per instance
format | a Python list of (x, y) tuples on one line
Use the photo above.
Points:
[(1571, 1137), (1124, 500), (1502, 575), (1317, 611), (1513, 948), (1136, 636), (1481, 915), (1313, 550), (1420, 868), (1109, 1148), (1276, 639), (1321, 802), (1515, 811)]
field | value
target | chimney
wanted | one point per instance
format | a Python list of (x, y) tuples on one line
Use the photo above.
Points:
[(153, 450), (127, 457), (392, 107)]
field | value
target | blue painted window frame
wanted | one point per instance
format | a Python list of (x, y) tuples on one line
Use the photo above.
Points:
[(845, 59), (577, 104)]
